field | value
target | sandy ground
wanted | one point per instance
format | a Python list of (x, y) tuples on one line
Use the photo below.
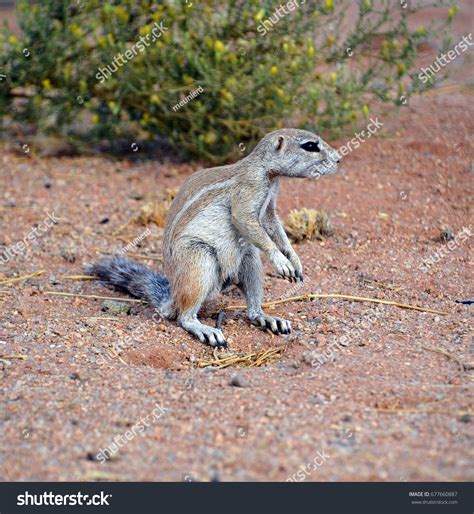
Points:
[(394, 403)]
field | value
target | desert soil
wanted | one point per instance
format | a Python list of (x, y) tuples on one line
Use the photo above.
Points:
[(394, 403)]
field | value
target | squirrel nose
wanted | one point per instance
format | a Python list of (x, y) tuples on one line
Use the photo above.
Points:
[(338, 161)]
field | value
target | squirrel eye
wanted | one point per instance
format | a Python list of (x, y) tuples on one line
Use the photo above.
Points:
[(311, 146)]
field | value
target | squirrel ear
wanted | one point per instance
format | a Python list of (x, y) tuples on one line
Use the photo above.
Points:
[(278, 143)]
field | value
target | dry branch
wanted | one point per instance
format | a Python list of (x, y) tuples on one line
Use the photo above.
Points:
[(95, 297), (311, 296), (23, 277)]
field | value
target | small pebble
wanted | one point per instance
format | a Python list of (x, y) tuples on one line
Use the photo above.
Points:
[(238, 381)]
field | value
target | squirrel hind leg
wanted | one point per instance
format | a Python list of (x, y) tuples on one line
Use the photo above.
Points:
[(196, 280)]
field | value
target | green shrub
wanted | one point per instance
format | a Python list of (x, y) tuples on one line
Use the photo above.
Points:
[(308, 69)]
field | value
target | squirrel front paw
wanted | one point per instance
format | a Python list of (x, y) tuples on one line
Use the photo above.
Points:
[(295, 261), (276, 325), (284, 267)]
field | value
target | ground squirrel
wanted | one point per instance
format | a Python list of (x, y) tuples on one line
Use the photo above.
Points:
[(217, 225)]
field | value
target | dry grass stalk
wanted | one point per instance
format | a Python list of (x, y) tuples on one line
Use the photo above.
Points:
[(447, 354), (80, 277), (312, 296), (115, 354), (23, 277), (94, 297), (254, 359), (421, 411)]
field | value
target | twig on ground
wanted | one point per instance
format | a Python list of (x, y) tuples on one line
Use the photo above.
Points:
[(23, 277), (94, 318), (18, 356), (311, 296), (81, 277), (145, 257), (115, 354), (249, 359), (444, 352), (93, 296), (420, 411)]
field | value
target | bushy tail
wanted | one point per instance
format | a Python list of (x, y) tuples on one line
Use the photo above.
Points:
[(134, 278)]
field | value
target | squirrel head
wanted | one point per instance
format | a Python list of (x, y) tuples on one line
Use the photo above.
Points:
[(297, 153)]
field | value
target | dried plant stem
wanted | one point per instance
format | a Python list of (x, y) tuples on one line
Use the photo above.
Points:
[(95, 297), (415, 411), (249, 359), (23, 277), (311, 296), (444, 352), (18, 356), (146, 257), (80, 277), (115, 354), (101, 318)]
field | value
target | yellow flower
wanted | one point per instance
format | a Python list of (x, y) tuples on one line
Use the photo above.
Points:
[(365, 109), (227, 96), (13, 39), (310, 51), (273, 70), (333, 76), (144, 30), (285, 47), (328, 4), (452, 11), (155, 99), (401, 68), (95, 119), (420, 30), (218, 46), (102, 41), (76, 31), (259, 15), (121, 13), (330, 40), (47, 84), (211, 138)]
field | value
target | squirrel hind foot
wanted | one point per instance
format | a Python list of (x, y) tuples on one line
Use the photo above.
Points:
[(208, 335)]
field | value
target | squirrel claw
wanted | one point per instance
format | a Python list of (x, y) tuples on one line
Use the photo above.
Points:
[(214, 340), (276, 325)]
